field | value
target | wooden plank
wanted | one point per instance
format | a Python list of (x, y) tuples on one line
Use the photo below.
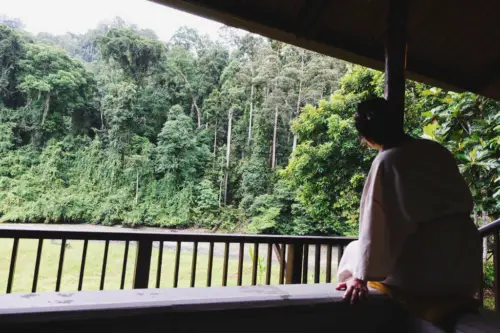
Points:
[(159, 268), (143, 264), (241, 256), (225, 266), (104, 264), (210, 264), (282, 263), (12, 268), (317, 263), (329, 264), (61, 265), (37, 232), (255, 263), (82, 264), (124, 265), (37, 265), (305, 264), (193, 265), (177, 264), (294, 264), (496, 265), (269, 263)]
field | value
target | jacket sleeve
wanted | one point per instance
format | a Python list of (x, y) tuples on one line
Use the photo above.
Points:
[(380, 237)]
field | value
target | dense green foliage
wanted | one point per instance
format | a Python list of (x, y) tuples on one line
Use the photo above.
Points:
[(117, 127)]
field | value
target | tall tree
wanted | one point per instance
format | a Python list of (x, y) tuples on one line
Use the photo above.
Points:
[(12, 51), (54, 84), (134, 54)]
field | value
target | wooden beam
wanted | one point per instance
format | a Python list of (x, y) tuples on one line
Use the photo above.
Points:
[(395, 57)]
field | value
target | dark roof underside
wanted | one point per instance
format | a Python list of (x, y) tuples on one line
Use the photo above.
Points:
[(453, 44)]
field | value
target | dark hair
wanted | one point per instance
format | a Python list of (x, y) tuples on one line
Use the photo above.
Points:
[(376, 123)]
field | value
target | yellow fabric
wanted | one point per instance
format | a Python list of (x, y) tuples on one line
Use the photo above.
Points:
[(436, 310)]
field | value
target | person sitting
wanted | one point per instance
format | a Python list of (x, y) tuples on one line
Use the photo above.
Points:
[(417, 241)]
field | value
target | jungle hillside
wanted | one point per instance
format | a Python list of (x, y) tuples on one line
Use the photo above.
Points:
[(241, 134)]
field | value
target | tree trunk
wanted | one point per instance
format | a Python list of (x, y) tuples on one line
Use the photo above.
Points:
[(228, 153), (250, 118), (221, 183), (299, 99), (102, 118), (294, 144), (46, 108), (275, 134), (215, 140), (137, 188), (226, 186), (198, 112)]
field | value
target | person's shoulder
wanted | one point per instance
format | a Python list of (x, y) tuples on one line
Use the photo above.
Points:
[(414, 148), (432, 146)]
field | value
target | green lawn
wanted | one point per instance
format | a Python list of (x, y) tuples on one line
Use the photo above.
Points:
[(23, 277)]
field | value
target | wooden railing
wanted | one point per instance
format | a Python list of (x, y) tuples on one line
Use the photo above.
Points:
[(256, 259), (295, 259), (492, 234)]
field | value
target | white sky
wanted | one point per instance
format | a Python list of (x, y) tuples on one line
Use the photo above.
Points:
[(78, 16)]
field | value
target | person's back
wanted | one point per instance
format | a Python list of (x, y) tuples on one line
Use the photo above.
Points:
[(442, 253)]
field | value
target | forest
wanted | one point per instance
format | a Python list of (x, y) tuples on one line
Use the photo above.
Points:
[(242, 134)]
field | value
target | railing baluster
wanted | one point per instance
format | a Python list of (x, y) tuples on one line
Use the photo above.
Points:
[(329, 264), (282, 263), (37, 265), (305, 264), (12, 268), (240, 263), (160, 260), (225, 265), (317, 263), (481, 286), (269, 263), (177, 263), (124, 265), (104, 264), (82, 265), (193, 264), (496, 265), (61, 265), (210, 264), (143, 263), (255, 263), (294, 264)]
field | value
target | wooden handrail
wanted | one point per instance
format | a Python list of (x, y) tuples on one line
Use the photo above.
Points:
[(490, 228), (37, 232)]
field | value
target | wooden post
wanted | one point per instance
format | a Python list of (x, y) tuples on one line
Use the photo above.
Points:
[(294, 264), (395, 57), (143, 264), (496, 265)]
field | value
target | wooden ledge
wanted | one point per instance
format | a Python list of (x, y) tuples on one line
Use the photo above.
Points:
[(88, 304)]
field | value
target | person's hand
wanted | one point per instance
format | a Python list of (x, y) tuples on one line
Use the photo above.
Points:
[(355, 290)]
